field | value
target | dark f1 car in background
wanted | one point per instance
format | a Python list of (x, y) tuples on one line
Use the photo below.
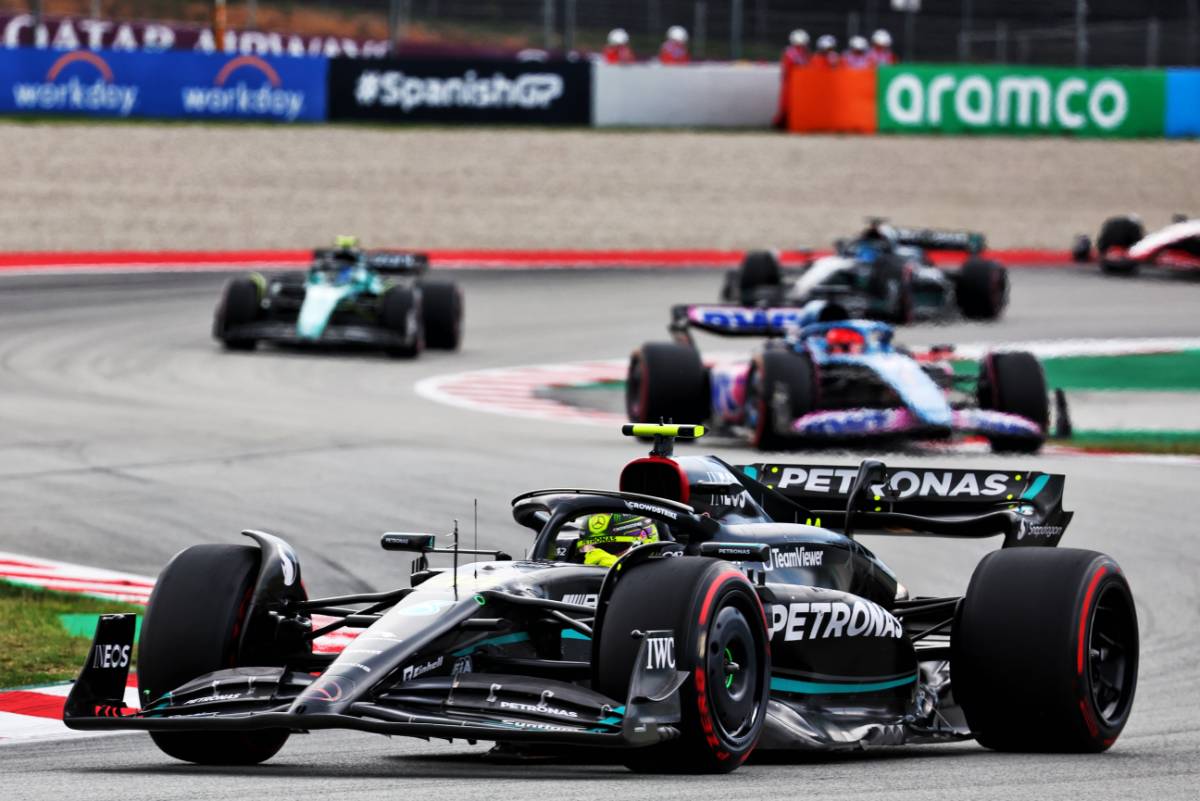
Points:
[(1123, 246), (755, 619), (349, 297), (826, 380), (885, 273)]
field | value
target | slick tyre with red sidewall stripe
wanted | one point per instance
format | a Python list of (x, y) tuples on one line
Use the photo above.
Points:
[(1044, 652), (720, 642)]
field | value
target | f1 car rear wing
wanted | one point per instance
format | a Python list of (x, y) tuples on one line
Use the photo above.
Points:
[(1024, 506), (970, 241), (396, 262), (728, 319)]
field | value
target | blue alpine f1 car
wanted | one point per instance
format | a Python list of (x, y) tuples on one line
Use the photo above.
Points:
[(348, 297), (824, 379)]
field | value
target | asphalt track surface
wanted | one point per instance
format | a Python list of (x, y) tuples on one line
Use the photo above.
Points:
[(127, 434)]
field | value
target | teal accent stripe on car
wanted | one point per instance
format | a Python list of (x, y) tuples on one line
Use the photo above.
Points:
[(503, 639), (1037, 486), (572, 634), (821, 687)]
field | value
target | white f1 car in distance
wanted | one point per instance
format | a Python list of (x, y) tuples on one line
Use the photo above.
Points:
[(1123, 245)]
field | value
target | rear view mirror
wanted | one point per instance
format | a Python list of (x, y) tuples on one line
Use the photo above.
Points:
[(400, 541)]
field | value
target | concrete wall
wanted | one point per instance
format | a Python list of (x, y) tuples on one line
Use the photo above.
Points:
[(697, 95)]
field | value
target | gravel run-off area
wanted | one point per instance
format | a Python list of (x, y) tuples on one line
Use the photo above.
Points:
[(81, 186)]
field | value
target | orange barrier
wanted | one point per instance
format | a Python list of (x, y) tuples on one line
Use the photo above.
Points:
[(831, 100)]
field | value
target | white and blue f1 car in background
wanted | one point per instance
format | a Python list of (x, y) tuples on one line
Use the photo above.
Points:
[(823, 379)]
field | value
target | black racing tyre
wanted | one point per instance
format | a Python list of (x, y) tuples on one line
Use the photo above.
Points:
[(982, 289), (1044, 652), (1081, 249), (759, 277), (891, 281), (720, 641), (770, 372), (400, 313), (193, 625), (730, 287), (1119, 232), (1014, 383), (241, 303), (667, 381), (442, 313)]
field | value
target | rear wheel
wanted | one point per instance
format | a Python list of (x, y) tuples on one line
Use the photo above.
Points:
[(720, 642), (759, 278), (442, 313), (193, 625), (1044, 654), (667, 381), (1014, 383), (240, 305), (982, 289), (779, 382), (400, 313), (1123, 233)]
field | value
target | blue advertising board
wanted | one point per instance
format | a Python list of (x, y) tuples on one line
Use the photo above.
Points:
[(1183, 102), (167, 85)]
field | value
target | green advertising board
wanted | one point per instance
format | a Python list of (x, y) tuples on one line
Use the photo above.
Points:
[(937, 98)]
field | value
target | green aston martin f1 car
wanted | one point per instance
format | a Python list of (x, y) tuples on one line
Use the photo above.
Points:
[(349, 296)]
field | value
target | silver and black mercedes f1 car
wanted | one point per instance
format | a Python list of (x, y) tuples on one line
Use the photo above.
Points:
[(348, 297), (884, 273), (757, 618)]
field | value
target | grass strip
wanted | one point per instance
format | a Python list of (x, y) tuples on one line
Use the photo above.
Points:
[(35, 646), (1135, 441)]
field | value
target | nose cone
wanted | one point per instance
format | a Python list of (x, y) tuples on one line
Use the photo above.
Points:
[(320, 301)]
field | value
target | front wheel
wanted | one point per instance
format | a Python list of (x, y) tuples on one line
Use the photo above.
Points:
[(759, 278), (780, 387), (400, 314), (1117, 235), (667, 381), (1015, 383), (1044, 651), (891, 283), (193, 625), (241, 304), (720, 642)]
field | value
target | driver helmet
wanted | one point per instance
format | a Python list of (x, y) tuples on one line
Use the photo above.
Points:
[(345, 250), (845, 340), (608, 536), (866, 252)]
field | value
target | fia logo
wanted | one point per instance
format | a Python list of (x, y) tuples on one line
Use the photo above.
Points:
[(660, 653)]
